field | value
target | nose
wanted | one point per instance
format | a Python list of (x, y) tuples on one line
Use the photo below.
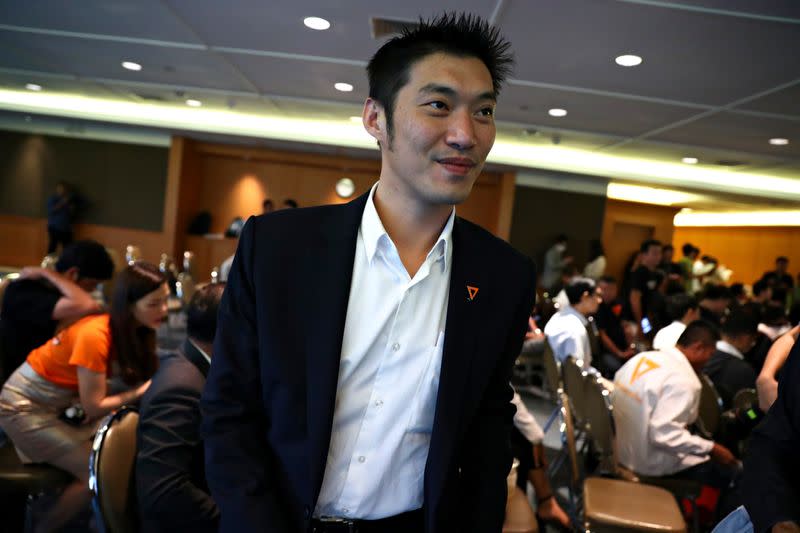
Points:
[(461, 130)]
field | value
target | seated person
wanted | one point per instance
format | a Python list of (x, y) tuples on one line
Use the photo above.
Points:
[(771, 487), (35, 304), (656, 397), (75, 366), (170, 475), (615, 346), (713, 302), (727, 368), (567, 274), (526, 442), (683, 310), (569, 330)]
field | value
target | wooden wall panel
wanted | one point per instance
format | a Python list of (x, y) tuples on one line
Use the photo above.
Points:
[(748, 251), (659, 218), (23, 240)]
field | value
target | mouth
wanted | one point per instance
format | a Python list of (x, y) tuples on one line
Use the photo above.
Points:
[(457, 165)]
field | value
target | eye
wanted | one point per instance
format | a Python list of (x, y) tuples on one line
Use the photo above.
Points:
[(487, 111), (438, 105)]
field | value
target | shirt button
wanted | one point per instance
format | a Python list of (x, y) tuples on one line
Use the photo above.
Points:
[(395, 346), (362, 459), (378, 403)]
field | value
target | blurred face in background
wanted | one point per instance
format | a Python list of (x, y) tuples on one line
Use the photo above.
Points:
[(652, 257), (608, 291), (151, 309)]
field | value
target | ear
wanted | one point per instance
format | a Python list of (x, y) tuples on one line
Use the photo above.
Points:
[(72, 273), (374, 120)]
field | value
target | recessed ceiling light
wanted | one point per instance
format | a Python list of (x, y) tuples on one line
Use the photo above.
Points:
[(779, 141), (130, 65), (344, 87), (556, 112), (690, 160), (316, 23), (193, 103), (33, 87), (628, 60), (355, 119)]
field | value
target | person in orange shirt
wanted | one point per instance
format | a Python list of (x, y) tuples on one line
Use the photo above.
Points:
[(75, 367)]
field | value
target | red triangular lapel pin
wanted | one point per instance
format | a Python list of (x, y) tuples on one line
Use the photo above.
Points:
[(471, 292)]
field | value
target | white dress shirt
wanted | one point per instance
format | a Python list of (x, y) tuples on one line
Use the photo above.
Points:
[(388, 377), (730, 349), (667, 337), (567, 335), (656, 396), (525, 423), (596, 268)]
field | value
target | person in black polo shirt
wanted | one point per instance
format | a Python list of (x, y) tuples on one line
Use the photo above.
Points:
[(644, 284), (34, 305), (615, 347)]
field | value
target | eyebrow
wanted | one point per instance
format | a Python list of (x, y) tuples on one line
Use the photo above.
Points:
[(449, 91)]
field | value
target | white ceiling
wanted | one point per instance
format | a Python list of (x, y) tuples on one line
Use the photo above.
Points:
[(719, 77)]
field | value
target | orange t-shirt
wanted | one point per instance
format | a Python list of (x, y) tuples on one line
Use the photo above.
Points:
[(85, 343)]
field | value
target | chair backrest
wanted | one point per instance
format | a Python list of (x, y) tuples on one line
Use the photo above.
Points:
[(111, 469), (710, 412), (745, 399), (575, 378), (600, 421), (568, 438), (552, 369)]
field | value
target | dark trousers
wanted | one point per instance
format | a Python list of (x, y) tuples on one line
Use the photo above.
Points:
[(57, 236), (725, 478)]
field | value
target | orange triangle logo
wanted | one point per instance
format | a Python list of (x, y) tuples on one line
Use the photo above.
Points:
[(472, 291), (639, 371)]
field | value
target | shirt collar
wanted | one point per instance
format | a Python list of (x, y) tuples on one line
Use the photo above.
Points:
[(724, 346), (373, 233), (571, 310)]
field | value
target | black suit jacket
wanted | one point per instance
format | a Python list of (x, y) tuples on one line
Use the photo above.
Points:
[(771, 485), (269, 402), (170, 479), (729, 375)]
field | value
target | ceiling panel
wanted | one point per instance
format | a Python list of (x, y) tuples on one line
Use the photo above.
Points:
[(574, 42), (278, 24), (707, 157), (308, 79), (16, 82), (771, 8), (738, 132), (148, 19), (586, 112), (102, 59), (785, 102)]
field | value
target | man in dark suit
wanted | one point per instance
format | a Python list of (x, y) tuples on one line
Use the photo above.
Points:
[(728, 368), (170, 478), (362, 361)]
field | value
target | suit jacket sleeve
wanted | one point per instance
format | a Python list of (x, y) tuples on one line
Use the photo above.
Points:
[(487, 450), (239, 465), (168, 435), (770, 485)]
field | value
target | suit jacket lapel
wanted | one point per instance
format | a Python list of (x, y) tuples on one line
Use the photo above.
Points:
[(325, 292), (195, 357), (464, 311)]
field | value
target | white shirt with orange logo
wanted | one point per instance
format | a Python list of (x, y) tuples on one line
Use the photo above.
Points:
[(656, 396)]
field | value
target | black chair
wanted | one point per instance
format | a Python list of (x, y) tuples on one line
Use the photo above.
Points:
[(21, 485)]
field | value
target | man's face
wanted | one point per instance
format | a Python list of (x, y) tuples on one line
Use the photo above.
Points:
[(698, 354), (666, 255), (443, 129), (781, 266), (590, 302), (652, 257), (607, 290)]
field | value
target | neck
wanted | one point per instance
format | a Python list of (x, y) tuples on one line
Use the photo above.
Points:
[(413, 228)]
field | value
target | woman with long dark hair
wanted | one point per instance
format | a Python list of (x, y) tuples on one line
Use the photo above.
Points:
[(75, 367)]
